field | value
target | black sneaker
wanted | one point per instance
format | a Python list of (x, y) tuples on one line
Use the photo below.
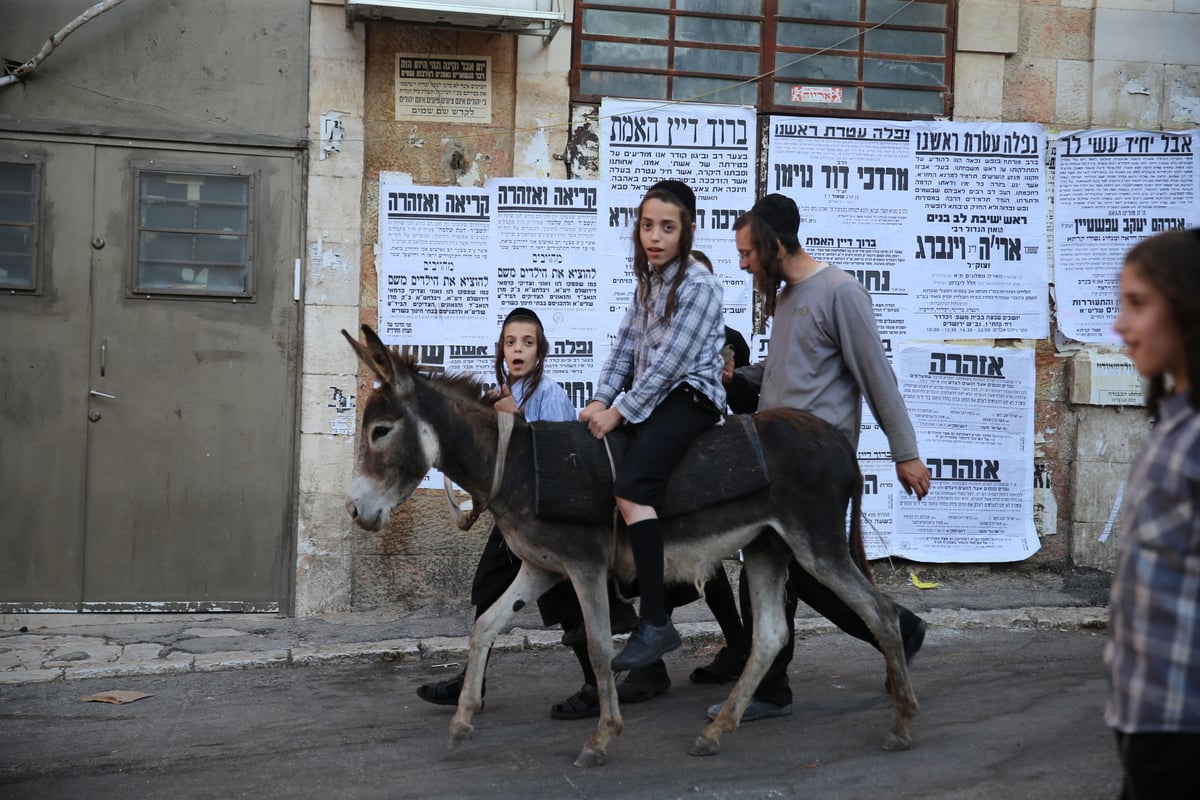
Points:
[(755, 709), (445, 693), (725, 668), (638, 686), (644, 683), (647, 644)]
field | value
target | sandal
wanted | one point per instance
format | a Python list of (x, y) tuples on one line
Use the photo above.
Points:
[(581, 705)]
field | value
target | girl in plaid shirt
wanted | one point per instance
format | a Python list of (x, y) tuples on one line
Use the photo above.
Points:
[(1153, 652), (663, 377)]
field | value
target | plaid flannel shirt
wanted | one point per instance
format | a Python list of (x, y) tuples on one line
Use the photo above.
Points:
[(1153, 652), (652, 356)]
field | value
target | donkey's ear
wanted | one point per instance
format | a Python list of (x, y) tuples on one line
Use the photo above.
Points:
[(374, 354)]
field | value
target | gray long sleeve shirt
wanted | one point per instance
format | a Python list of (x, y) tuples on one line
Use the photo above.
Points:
[(826, 355)]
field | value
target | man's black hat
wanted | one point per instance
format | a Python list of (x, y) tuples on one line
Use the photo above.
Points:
[(780, 212)]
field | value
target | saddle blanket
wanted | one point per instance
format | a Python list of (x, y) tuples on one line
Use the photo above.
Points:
[(574, 480)]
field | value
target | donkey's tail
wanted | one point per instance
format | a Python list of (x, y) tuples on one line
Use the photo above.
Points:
[(857, 551)]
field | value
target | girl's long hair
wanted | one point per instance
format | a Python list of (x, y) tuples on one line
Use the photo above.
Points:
[(1171, 263), (535, 375), (766, 243), (641, 264)]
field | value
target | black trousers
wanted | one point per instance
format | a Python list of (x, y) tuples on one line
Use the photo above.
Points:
[(660, 442), (1158, 766), (801, 585)]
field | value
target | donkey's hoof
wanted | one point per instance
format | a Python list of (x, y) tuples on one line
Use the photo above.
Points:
[(705, 746), (894, 743), (590, 757), (459, 733)]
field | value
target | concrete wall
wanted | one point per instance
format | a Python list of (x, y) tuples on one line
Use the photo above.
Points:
[(1079, 63), (217, 69), (332, 288), (1066, 64), (421, 555)]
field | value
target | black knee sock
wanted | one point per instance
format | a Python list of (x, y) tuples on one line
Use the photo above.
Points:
[(718, 594), (646, 539)]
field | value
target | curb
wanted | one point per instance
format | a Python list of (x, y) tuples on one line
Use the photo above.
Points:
[(147, 661)]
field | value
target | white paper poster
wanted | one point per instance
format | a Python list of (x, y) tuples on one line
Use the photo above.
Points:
[(454, 262), (434, 273), (711, 148), (973, 411), (943, 222), (1111, 190)]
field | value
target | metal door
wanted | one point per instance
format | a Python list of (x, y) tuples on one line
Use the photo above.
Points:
[(45, 256), (188, 389)]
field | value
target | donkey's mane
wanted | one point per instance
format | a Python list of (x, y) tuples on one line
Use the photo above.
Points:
[(459, 384)]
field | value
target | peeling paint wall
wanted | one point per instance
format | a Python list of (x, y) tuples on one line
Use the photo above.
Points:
[(421, 556)]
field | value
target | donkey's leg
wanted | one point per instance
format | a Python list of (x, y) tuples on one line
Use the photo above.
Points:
[(769, 572), (592, 588), (838, 572), (527, 587)]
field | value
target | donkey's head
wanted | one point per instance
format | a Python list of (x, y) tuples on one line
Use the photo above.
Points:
[(396, 446)]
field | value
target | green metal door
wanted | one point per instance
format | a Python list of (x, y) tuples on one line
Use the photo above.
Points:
[(45, 268), (186, 343)]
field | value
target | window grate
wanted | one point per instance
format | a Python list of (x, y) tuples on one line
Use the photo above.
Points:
[(20, 212), (194, 234), (876, 58)]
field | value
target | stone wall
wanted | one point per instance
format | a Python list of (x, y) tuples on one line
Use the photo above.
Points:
[(1066, 64)]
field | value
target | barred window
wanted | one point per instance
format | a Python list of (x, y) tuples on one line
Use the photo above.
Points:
[(871, 58), (20, 210), (194, 234)]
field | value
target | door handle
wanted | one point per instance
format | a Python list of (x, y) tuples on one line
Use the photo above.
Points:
[(94, 393)]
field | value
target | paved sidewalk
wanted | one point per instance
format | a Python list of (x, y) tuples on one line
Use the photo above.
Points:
[(52, 647)]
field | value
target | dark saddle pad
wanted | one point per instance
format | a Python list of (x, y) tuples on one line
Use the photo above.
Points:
[(574, 479)]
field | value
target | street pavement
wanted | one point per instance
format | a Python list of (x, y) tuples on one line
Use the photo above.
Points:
[(1010, 680)]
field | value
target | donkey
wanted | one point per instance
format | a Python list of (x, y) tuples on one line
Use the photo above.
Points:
[(411, 422)]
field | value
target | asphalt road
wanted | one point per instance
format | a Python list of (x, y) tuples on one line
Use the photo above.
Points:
[(1005, 713)]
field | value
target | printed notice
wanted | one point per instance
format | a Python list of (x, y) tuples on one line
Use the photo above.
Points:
[(443, 87), (1111, 190), (943, 222), (973, 411), (544, 244), (433, 268), (713, 150)]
